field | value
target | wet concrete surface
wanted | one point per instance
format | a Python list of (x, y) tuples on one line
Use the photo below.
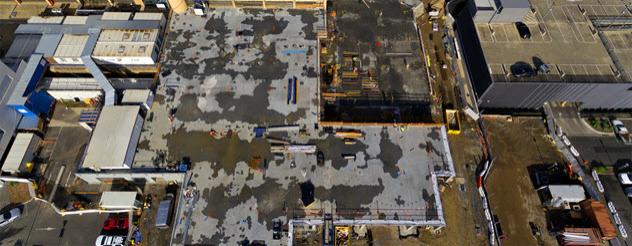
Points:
[(221, 78)]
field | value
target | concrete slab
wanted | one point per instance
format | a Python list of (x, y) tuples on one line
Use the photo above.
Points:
[(227, 73)]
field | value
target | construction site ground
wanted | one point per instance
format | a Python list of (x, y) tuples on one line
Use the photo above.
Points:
[(150, 233), (518, 143), (243, 185), (373, 56)]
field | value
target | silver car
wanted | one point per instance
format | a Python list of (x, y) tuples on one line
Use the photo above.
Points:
[(9, 216), (104, 240)]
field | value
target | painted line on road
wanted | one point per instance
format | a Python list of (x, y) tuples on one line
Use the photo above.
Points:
[(52, 194)]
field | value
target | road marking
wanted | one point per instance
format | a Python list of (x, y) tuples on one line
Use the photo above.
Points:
[(52, 194), (67, 179)]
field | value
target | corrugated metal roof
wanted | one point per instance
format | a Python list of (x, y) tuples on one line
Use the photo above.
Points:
[(116, 16), (17, 97), (71, 84), (48, 44), (75, 20), (18, 150), (148, 16), (83, 29), (23, 45), (111, 137), (45, 20), (71, 45)]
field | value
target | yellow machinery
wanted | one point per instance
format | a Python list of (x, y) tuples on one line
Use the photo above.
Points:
[(452, 121), (343, 236), (349, 134)]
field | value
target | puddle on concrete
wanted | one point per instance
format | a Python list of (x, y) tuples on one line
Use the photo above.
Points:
[(226, 152), (390, 154)]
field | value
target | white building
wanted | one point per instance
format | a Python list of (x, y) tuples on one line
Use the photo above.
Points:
[(69, 49), (562, 196), (72, 89), (22, 151), (127, 47), (143, 98), (114, 139)]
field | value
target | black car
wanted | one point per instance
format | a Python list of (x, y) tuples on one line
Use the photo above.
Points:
[(522, 69), (523, 30), (277, 229)]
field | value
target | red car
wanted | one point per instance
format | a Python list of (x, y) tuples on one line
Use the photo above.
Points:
[(115, 223)]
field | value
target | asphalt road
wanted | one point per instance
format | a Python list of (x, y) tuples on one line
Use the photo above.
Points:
[(614, 193), (41, 225), (593, 146)]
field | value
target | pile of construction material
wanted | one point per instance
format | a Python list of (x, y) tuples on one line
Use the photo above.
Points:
[(579, 236)]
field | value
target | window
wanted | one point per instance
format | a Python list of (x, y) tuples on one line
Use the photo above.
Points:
[(125, 36), (121, 49), (141, 49)]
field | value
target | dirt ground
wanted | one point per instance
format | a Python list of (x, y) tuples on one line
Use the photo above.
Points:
[(151, 234), (18, 192), (516, 145), (461, 203)]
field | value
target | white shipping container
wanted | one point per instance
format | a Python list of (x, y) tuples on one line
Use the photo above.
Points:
[(74, 95), (124, 60)]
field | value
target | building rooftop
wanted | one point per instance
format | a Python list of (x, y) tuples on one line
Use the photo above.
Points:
[(120, 42), (118, 200), (18, 149), (69, 83), (116, 16), (148, 16), (563, 38), (135, 96), (71, 45), (112, 137), (75, 20), (127, 35)]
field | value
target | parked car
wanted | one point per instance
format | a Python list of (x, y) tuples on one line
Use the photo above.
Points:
[(574, 151), (625, 178), (522, 69), (628, 191), (115, 222), (621, 131), (523, 30), (277, 229), (565, 140), (9, 216), (104, 240)]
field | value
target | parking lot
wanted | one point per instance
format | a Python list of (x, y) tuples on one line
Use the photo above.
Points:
[(39, 224)]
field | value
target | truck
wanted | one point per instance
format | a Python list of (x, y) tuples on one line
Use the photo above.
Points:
[(621, 131)]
